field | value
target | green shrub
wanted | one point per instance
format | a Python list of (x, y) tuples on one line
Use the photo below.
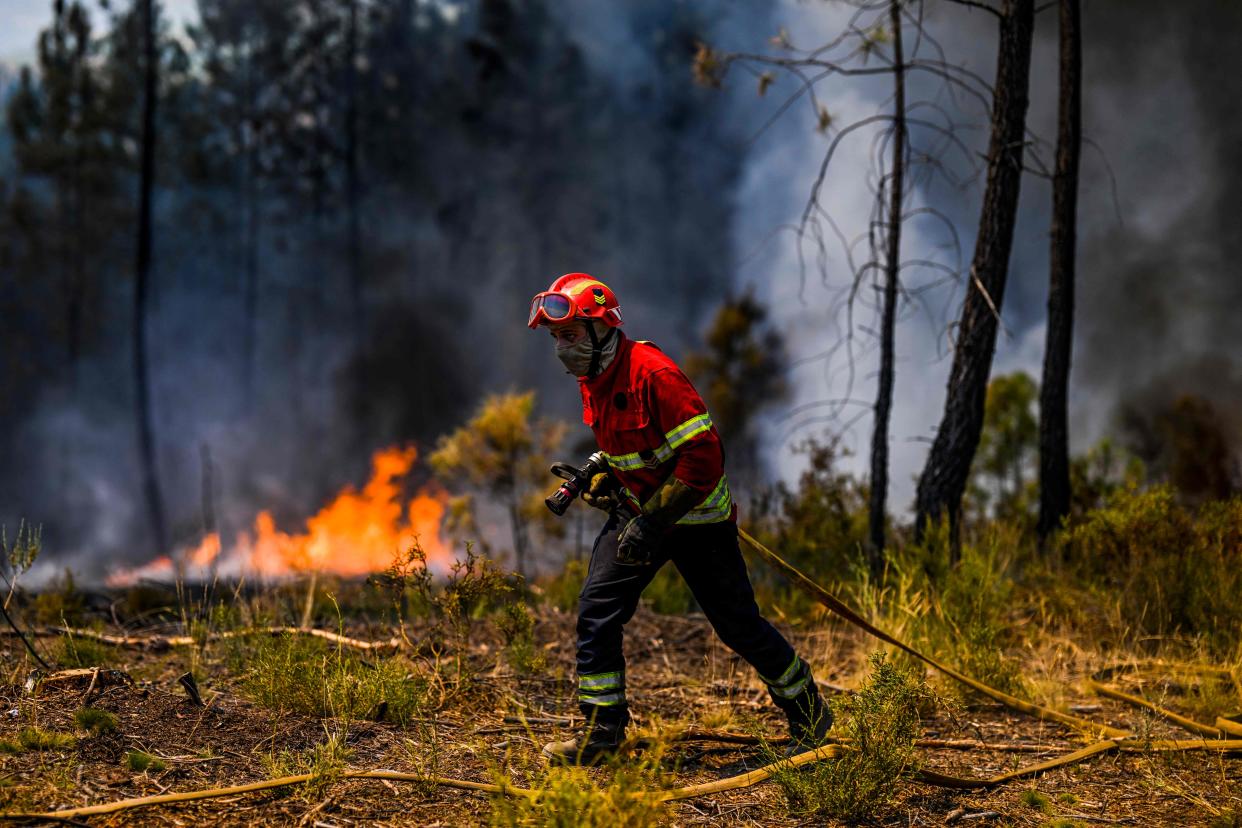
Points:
[(76, 651), (475, 585), (667, 593), (33, 738), (1035, 800), (326, 762), (820, 527), (1228, 818), (569, 797), (517, 627), (972, 608), (139, 761), (60, 602), (95, 720), (562, 589), (1172, 569), (300, 674), (881, 724)]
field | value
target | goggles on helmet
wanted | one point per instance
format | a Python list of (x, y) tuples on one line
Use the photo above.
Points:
[(551, 306)]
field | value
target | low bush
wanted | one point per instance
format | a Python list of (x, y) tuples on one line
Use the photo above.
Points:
[(517, 626), (95, 720), (561, 590), (1035, 800), (140, 761), (292, 673), (667, 593), (1173, 569), (76, 651), (326, 762), (35, 739), (569, 797), (880, 723)]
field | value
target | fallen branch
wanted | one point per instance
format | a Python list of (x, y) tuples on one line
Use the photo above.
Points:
[(164, 642)]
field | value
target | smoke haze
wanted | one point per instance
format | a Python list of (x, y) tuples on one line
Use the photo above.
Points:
[(570, 136)]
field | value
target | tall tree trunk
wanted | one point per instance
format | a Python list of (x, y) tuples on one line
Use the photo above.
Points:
[(888, 322), (142, 279), (944, 477), (1054, 480), (353, 252), (518, 527), (250, 268)]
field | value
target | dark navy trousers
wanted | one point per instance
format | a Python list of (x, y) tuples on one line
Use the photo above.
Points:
[(708, 558)]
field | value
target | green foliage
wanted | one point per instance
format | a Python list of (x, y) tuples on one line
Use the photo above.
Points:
[(1035, 800), (95, 720), (568, 797), (667, 593), (881, 724), (562, 590), (60, 602), (139, 761), (969, 616), (1227, 818), (1172, 569), (474, 586), (517, 626), (821, 527), (326, 762), (739, 373), (76, 651), (1008, 446), (501, 453), (27, 545), (37, 739), (1099, 474), (300, 674)]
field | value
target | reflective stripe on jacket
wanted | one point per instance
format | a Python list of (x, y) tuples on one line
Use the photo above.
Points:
[(651, 423)]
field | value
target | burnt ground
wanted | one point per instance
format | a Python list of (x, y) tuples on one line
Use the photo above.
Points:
[(679, 674)]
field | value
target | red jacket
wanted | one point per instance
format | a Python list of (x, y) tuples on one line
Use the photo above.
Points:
[(651, 423)]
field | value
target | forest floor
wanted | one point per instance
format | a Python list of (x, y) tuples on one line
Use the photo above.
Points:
[(679, 675)]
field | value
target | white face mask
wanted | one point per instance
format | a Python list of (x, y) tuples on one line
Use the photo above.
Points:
[(577, 357)]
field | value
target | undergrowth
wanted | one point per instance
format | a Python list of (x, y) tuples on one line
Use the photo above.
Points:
[(300, 674), (570, 797), (880, 724), (516, 625), (139, 761), (326, 762), (37, 739), (95, 720)]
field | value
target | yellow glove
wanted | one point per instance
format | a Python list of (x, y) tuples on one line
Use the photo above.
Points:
[(602, 493)]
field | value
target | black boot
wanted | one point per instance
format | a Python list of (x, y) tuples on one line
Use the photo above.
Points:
[(600, 737), (809, 720)]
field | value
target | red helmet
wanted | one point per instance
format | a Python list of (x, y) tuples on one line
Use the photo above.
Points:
[(575, 296)]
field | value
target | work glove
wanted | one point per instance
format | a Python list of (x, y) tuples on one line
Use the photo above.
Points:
[(602, 493), (638, 541)]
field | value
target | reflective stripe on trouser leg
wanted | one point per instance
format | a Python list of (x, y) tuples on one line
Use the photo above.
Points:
[(602, 689), (792, 682)]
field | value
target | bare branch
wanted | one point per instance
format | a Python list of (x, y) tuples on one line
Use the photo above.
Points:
[(974, 5)]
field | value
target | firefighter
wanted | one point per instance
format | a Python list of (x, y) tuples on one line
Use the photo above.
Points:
[(666, 458)]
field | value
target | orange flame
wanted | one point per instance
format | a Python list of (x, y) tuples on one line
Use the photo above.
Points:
[(358, 533)]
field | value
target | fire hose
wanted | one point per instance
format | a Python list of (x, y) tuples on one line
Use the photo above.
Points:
[(1114, 739)]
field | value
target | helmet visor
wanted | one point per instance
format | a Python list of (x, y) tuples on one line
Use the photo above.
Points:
[(553, 307)]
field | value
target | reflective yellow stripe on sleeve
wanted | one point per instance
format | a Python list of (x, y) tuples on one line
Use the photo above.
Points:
[(674, 438), (716, 507)]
